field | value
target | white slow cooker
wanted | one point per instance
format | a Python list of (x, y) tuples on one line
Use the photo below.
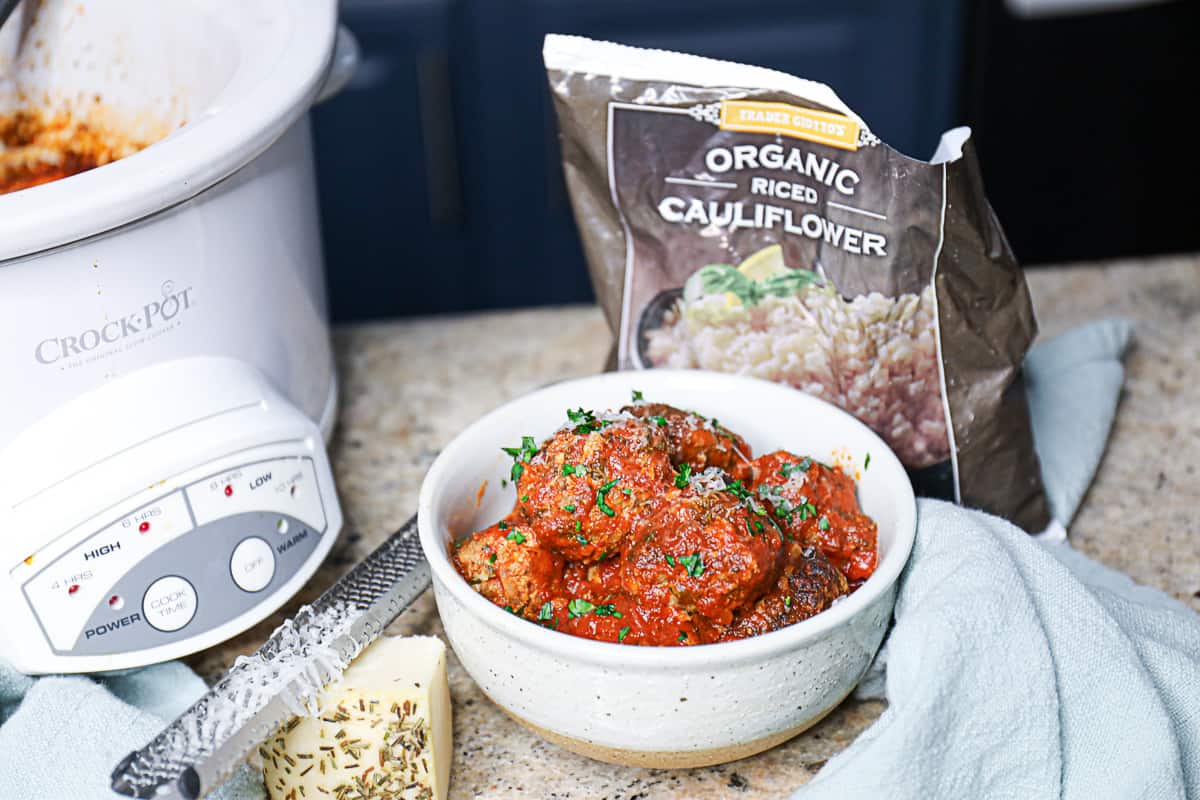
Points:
[(166, 375)]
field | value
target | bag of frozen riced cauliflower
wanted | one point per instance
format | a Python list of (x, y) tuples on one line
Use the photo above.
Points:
[(742, 220)]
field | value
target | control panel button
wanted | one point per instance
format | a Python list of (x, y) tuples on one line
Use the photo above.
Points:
[(252, 564), (280, 485), (169, 603)]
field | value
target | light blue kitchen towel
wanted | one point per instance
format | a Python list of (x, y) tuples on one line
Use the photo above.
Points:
[(1019, 668), (62, 735), (1073, 383)]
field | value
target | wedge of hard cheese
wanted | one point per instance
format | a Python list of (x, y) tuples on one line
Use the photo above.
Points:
[(383, 732)]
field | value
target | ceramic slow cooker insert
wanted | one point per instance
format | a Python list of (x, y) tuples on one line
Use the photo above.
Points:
[(168, 379)]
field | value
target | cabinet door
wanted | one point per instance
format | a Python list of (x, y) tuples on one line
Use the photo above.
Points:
[(395, 237), (896, 62)]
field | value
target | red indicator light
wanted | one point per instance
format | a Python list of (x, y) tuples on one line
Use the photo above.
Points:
[(74, 588), (145, 526), (116, 602), (229, 490)]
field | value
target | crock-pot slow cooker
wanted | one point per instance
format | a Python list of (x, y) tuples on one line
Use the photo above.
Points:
[(166, 374)]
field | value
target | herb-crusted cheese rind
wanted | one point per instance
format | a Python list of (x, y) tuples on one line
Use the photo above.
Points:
[(383, 732)]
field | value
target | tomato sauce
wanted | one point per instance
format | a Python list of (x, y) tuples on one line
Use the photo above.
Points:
[(657, 526), (37, 148)]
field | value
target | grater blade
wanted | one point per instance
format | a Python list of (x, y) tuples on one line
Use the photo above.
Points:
[(260, 692)]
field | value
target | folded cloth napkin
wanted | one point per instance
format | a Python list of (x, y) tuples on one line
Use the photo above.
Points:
[(1019, 668)]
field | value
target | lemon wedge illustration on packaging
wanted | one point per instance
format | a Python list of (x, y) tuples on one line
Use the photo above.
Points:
[(758, 266)]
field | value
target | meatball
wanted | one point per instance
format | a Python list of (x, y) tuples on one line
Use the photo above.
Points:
[(697, 441), (587, 485), (591, 581), (801, 476), (849, 542), (817, 505), (706, 551), (809, 584), (505, 564)]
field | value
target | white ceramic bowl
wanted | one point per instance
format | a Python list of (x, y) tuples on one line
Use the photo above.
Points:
[(665, 706)]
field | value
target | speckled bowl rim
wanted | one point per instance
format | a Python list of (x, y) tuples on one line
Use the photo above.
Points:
[(612, 654)]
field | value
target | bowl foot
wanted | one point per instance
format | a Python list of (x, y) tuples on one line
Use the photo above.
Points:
[(682, 759)]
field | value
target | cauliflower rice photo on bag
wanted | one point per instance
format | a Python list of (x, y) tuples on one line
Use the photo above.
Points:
[(873, 356)]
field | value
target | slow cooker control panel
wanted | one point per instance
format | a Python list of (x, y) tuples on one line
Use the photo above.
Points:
[(183, 564)]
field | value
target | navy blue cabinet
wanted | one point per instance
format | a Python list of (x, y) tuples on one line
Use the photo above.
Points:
[(440, 181), (396, 240)]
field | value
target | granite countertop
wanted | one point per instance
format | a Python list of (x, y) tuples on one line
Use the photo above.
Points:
[(408, 387)]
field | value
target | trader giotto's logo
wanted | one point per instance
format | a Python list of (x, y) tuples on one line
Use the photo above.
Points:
[(152, 317)]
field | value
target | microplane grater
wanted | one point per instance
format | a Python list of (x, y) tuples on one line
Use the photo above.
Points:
[(195, 752)]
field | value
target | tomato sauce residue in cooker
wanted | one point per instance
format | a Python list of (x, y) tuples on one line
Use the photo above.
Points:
[(656, 526), (38, 147)]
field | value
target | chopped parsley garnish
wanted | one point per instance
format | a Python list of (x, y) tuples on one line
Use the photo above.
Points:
[(682, 636), (670, 560), (867, 462), (585, 421), (569, 508), (567, 469), (747, 497), (788, 470), (502, 526), (525, 498), (637, 396), (581, 539), (602, 497), (578, 525), (516, 536), (660, 421), (683, 476), (738, 490), (807, 509), (521, 456), (787, 602), (547, 611), (492, 558), (774, 495), (623, 633), (578, 607), (823, 524), (627, 492), (509, 609), (694, 564), (608, 610)]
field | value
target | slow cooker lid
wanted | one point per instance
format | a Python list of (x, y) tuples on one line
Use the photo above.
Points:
[(234, 73)]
